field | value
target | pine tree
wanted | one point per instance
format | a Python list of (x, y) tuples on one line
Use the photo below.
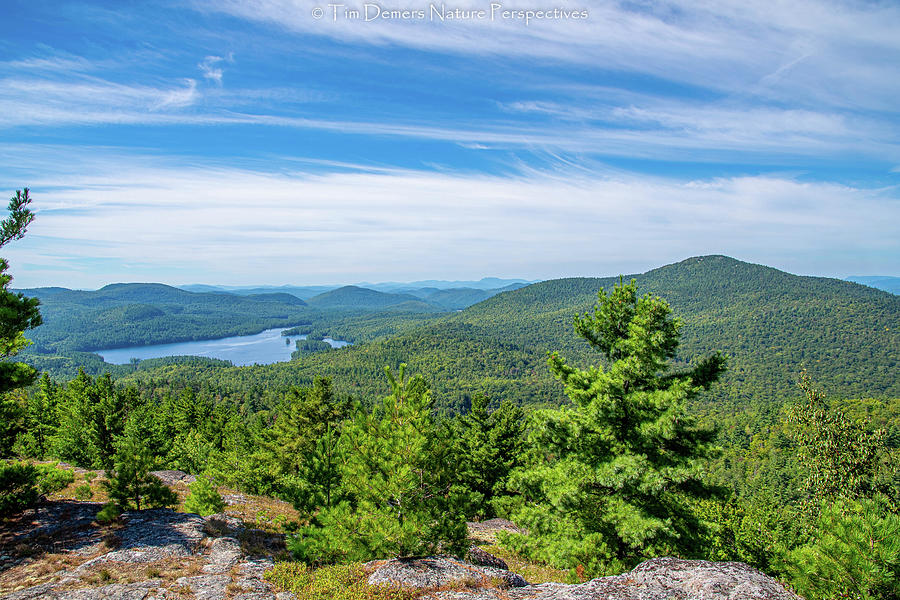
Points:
[(303, 442), (203, 498), (841, 456), (487, 446), (17, 314), (130, 484), (397, 475), (109, 407), (75, 413), (614, 469), (41, 420)]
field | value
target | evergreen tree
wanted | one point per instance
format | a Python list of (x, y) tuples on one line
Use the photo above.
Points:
[(109, 407), (199, 426), (17, 314), (487, 446), (855, 552), (303, 442), (203, 498), (41, 420), (841, 456), (397, 472), (614, 470), (130, 484), (75, 413)]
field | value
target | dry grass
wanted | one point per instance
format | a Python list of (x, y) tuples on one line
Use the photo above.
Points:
[(168, 571), (98, 491), (260, 512), (36, 572), (532, 572)]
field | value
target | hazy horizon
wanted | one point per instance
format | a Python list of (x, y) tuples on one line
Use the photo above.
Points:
[(508, 279)]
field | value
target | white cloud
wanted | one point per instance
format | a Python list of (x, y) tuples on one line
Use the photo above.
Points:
[(30, 101), (210, 69), (230, 226), (179, 98)]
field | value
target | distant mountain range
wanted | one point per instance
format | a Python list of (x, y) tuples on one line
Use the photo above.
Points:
[(415, 287), (131, 314), (882, 282)]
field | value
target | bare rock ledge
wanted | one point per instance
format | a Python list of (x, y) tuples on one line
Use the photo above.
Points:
[(656, 579)]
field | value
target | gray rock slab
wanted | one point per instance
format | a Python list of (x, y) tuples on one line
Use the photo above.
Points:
[(140, 590), (477, 556), (656, 579), (163, 531), (439, 571), (171, 477), (206, 587), (224, 553)]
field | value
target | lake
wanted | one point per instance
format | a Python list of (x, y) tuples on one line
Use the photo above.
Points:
[(262, 348)]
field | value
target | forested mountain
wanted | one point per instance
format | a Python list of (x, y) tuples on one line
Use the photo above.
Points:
[(888, 284), (126, 314), (770, 323), (460, 291), (353, 297), (302, 292), (485, 283), (460, 298)]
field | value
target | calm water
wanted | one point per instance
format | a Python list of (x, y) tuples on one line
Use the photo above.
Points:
[(242, 350)]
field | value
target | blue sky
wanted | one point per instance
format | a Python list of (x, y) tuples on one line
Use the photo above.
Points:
[(250, 142)]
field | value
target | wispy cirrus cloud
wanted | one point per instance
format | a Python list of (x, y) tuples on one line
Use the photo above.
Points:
[(657, 129), (811, 52)]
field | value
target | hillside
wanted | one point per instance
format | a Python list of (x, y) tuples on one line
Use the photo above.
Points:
[(771, 323), (460, 298), (353, 297), (888, 284), (125, 314), (302, 292)]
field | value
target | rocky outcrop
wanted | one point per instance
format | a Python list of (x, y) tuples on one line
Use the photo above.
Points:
[(436, 572), (57, 551), (477, 556), (171, 477), (656, 579), (149, 555)]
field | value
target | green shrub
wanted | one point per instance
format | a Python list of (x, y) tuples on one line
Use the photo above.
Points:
[(203, 498), (856, 553), (18, 487), (337, 582), (84, 491), (109, 513), (749, 531), (52, 479)]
